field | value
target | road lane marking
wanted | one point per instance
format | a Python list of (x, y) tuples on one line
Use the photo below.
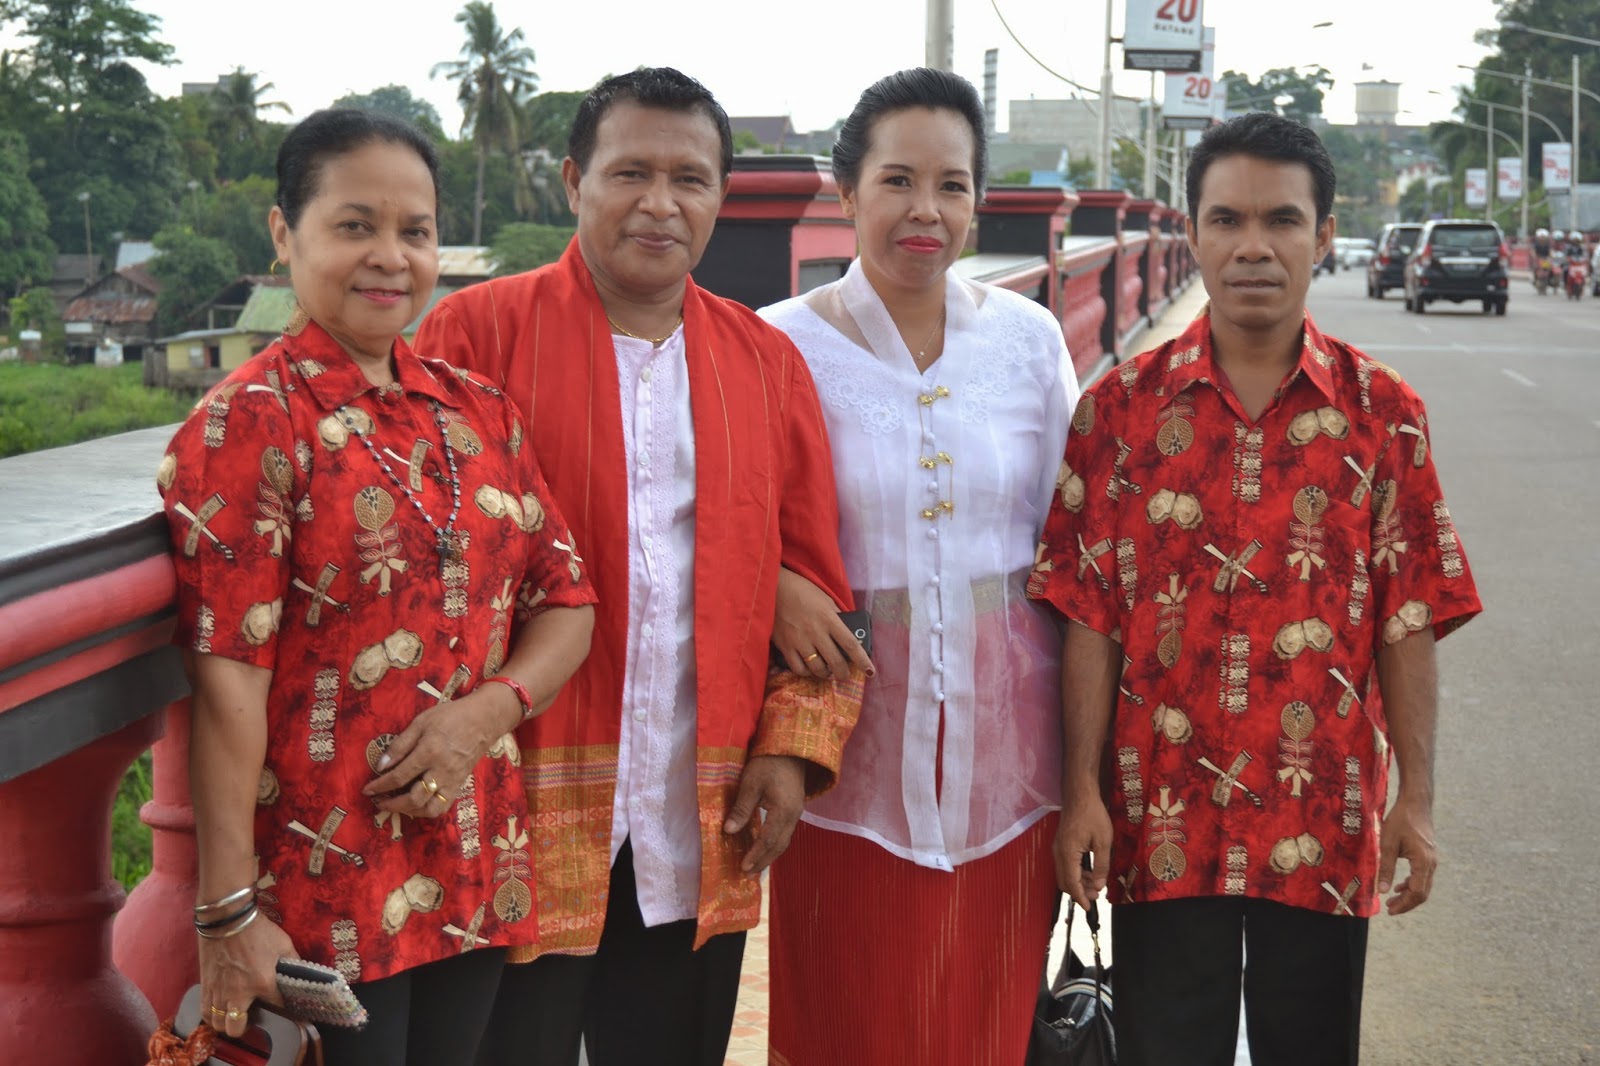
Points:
[(1479, 349), (1423, 328), (1520, 379)]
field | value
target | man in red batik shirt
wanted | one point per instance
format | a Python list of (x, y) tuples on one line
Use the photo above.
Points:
[(1251, 545)]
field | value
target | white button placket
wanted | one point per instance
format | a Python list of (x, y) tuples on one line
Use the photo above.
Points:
[(939, 506)]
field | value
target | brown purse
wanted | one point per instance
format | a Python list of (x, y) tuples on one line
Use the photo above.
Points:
[(271, 1040)]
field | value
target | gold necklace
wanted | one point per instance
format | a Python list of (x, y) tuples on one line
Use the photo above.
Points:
[(923, 351), (657, 341)]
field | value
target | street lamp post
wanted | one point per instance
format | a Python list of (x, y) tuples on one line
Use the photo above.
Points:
[(88, 242), (1592, 43), (1102, 162)]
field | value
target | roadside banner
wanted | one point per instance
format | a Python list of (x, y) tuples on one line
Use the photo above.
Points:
[(1557, 165), (1163, 35), (1509, 180), (1477, 187), (1194, 101)]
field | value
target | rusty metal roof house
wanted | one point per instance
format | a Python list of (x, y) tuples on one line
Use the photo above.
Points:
[(112, 319)]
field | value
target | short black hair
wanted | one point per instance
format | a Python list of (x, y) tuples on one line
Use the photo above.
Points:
[(334, 132), (904, 89), (662, 87), (1264, 135)]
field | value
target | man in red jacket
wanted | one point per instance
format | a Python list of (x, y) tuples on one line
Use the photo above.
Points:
[(683, 438)]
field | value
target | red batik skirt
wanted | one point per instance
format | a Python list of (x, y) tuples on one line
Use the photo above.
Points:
[(876, 960)]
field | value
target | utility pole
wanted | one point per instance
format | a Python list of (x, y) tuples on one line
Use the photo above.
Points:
[(1102, 163), (1490, 164), (941, 35), (1150, 142), (1576, 165), (88, 242), (1527, 161)]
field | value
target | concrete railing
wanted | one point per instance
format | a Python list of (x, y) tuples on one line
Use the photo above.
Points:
[(88, 681)]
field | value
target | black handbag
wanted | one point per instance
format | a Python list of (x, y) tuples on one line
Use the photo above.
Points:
[(1072, 1018)]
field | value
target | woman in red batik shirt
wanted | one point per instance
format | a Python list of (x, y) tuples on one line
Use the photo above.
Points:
[(363, 542)]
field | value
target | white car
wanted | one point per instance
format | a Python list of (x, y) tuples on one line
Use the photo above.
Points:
[(1353, 251)]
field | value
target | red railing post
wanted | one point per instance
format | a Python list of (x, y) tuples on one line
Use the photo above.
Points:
[(61, 1000), (154, 939)]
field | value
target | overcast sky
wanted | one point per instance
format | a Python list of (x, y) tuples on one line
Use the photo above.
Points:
[(809, 59)]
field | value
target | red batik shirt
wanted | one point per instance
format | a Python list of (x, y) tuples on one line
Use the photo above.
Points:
[(296, 552), (1251, 571)]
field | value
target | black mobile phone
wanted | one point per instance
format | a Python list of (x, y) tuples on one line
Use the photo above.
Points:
[(860, 624)]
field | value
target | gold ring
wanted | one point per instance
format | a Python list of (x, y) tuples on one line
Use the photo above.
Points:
[(441, 798), (234, 1014), (813, 655), (431, 785), (217, 1010)]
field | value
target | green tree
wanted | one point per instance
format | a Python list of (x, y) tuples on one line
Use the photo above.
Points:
[(746, 141), (520, 246), (127, 160), (191, 269), (26, 254), (547, 121), (1284, 90), (398, 101), (35, 308), (76, 44), (458, 170), (236, 215), (496, 74), (236, 127)]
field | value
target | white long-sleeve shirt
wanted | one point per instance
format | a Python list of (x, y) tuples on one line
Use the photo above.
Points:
[(944, 479)]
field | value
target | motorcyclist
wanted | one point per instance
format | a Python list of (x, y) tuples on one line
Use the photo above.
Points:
[(1558, 257), (1541, 257)]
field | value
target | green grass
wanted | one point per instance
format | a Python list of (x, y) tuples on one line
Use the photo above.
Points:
[(46, 405), (130, 838)]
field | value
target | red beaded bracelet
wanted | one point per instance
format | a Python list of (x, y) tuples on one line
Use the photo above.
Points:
[(522, 694)]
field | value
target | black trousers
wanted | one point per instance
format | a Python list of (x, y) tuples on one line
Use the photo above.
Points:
[(431, 1015), (646, 998), (1177, 976)]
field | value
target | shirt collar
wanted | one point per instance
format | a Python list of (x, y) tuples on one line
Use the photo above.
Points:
[(335, 379), (1191, 357)]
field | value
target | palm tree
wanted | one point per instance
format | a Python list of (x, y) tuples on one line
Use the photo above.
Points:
[(236, 105), (496, 74)]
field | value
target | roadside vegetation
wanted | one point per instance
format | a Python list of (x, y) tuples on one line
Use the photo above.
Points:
[(47, 405)]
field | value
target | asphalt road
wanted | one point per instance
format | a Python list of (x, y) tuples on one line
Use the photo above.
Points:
[(1502, 965)]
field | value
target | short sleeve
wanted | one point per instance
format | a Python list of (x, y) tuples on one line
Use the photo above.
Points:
[(1061, 399), (554, 576), (1419, 571), (228, 486), (1076, 566)]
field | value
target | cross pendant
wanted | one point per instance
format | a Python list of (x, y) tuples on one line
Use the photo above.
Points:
[(447, 547)]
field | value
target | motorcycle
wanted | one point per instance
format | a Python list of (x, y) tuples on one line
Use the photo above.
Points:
[(1577, 278), (1543, 274)]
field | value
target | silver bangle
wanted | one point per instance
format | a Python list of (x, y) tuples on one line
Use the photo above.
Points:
[(225, 901), (236, 930)]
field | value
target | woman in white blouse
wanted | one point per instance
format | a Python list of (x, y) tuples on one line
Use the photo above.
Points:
[(911, 913)]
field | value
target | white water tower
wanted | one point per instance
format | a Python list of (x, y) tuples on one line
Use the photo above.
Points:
[(1377, 103)]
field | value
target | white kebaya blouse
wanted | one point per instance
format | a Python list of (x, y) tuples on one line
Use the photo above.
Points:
[(944, 480)]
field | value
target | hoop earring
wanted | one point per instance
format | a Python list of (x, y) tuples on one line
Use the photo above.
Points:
[(272, 271)]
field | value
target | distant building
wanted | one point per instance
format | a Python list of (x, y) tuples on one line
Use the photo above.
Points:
[(1073, 124), (770, 131), (132, 253), (70, 274), (112, 320), (1008, 157)]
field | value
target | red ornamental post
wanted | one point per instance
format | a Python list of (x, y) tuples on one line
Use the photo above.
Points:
[(154, 943), (60, 999)]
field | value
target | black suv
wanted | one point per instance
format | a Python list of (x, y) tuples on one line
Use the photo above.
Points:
[(1457, 260), (1386, 268)]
